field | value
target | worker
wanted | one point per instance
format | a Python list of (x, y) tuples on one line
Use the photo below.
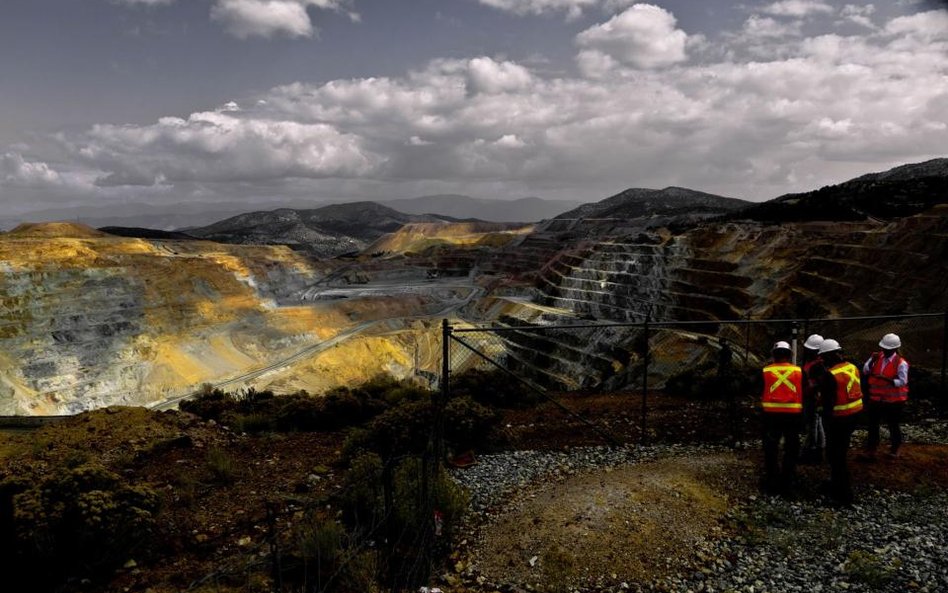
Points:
[(841, 396), (782, 404), (815, 438), (887, 378)]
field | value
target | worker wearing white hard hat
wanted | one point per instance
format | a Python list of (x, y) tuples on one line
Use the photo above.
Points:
[(815, 437), (782, 405), (887, 373), (841, 396)]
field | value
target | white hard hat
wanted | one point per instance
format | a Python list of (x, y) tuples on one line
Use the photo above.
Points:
[(829, 345), (813, 342), (782, 346), (890, 342)]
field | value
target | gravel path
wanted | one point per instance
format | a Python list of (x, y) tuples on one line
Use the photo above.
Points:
[(889, 541)]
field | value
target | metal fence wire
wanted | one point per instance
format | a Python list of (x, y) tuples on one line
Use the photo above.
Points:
[(666, 370)]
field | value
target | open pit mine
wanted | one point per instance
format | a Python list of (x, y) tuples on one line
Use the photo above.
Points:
[(89, 319)]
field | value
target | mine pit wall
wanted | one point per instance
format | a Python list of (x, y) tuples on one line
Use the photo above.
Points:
[(92, 322), (725, 271), (403, 349)]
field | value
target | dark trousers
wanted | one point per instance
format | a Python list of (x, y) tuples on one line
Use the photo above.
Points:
[(891, 414), (815, 437), (839, 432), (777, 427)]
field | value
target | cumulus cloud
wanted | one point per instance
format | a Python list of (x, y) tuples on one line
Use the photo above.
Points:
[(269, 18), (859, 14), (572, 8), (925, 26), (797, 8), (643, 36), (759, 27), (771, 112), (144, 2), (222, 146), (17, 171), (488, 76)]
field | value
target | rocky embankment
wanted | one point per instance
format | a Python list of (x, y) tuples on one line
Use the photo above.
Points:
[(720, 271), (89, 320)]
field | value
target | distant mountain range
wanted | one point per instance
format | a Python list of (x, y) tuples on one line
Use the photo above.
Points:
[(165, 217), (902, 191), (169, 217), (465, 207), (327, 231), (668, 202)]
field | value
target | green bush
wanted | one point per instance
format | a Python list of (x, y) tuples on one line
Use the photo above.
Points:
[(210, 405), (214, 404), (298, 413), (361, 498), (403, 429), (468, 424), (406, 428), (450, 499), (77, 522), (325, 558), (259, 411), (868, 568), (252, 423), (221, 466), (494, 389), (250, 400)]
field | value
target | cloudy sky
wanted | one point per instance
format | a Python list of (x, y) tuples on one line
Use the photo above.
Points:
[(184, 101)]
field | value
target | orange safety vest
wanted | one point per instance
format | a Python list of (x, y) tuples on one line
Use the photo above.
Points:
[(848, 390), (783, 389), (883, 391)]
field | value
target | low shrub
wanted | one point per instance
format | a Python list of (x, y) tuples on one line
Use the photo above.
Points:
[(361, 498), (298, 413), (209, 405), (229, 407), (870, 569), (80, 522), (252, 423), (401, 430), (221, 466), (494, 389), (323, 557), (468, 424)]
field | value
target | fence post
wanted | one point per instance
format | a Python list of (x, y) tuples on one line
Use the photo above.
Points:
[(747, 337), (276, 567), (644, 426), (794, 334), (944, 358), (445, 359)]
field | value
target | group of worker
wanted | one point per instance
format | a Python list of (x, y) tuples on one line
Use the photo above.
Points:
[(824, 396)]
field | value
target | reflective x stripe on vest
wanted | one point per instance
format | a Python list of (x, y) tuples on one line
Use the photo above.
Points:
[(848, 391), (881, 390), (783, 389)]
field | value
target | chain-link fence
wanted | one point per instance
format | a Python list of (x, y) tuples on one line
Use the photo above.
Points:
[(679, 380)]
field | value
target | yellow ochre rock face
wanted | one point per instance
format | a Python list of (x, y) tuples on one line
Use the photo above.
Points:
[(418, 237), (89, 320)]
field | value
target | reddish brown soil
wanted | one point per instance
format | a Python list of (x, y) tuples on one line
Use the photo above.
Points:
[(212, 525), (209, 523)]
